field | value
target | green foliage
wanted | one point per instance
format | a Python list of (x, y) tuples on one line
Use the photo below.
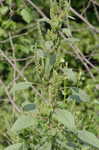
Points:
[(29, 106), (27, 16), (43, 68), (88, 138), (66, 118), (21, 86), (22, 123), (18, 146)]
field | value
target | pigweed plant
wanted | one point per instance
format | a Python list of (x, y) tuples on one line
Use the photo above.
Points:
[(48, 105)]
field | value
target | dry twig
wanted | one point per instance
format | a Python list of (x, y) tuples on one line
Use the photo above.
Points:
[(84, 20), (95, 2), (9, 97)]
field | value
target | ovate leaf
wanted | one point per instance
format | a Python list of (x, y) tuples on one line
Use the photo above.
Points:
[(29, 107), (24, 121), (21, 86), (26, 14), (65, 117), (19, 146), (88, 138)]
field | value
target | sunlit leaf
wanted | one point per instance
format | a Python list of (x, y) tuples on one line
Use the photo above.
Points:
[(19, 146), (3, 10), (65, 117), (89, 138), (26, 14), (24, 121), (21, 86)]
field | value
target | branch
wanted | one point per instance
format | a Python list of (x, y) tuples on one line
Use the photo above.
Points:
[(95, 2), (84, 20), (72, 10), (9, 97), (37, 8), (13, 65), (20, 73), (80, 56)]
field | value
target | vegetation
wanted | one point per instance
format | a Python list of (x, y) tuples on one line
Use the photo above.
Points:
[(49, 75)]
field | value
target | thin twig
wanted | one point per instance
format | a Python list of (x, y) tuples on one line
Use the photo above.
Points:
[(87, 61), (13, 65), (96, 11), (37, 8), (27, 64), (95, 2), (22, 59), (13, 37), (86, 8), (19, 72), (76, 51), (82, 60), (72, 10), (84, 20), (14, 71), (9, 97), (19, 35)]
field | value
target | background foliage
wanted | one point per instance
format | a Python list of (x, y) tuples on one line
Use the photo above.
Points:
[(49, 75)]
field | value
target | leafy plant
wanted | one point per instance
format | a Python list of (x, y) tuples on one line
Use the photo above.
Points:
[(49, 75)]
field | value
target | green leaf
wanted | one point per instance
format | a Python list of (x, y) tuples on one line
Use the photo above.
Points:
[(52, 59), (46, 146), (2, 33), (23, 48), (74, 97), (21, 86), (29, 107), (24, 121), (65, 117), (26, 14), (9, 24), (9, 2), (3, 10), (83, 95), (19, 146), (71, 75), (79, 95), (88, 138)]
